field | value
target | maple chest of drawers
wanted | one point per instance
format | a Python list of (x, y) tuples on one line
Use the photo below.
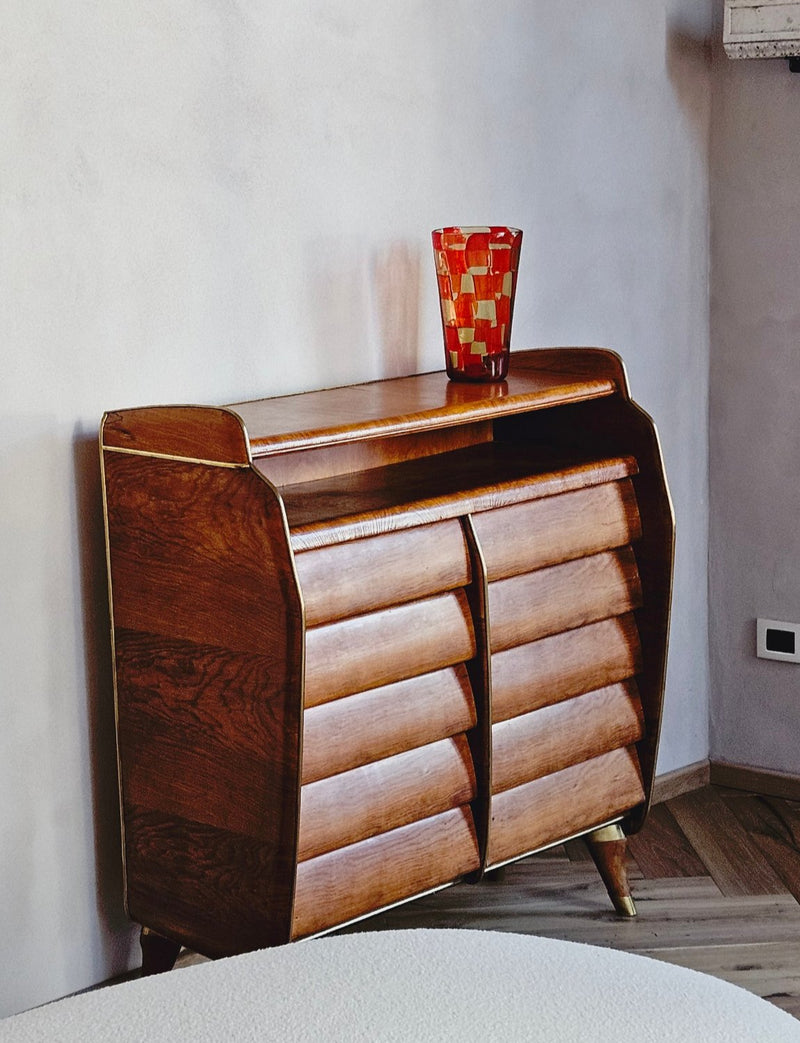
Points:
[(372, 640)]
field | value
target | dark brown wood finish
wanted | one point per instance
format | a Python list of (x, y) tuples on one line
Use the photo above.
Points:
[(343, 618), (208, 655)]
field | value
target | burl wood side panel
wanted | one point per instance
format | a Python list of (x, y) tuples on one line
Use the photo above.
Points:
[(375, 873), (208, 656)]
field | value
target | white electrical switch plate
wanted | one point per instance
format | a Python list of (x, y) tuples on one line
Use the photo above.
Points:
[(776, 640)]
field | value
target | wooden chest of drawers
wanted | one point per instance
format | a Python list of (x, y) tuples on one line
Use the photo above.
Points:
[(372, 640)]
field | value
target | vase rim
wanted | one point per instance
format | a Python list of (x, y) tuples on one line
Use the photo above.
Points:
[(473, 229)]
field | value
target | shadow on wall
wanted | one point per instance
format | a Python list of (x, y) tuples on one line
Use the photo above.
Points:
[(688, 61), (118, 934), (396, 285), (363, 310)]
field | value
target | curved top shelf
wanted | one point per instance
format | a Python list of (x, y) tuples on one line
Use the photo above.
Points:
[(537, 379), (266, 427)]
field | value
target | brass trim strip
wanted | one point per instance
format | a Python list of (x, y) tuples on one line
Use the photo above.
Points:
[(114, 679), (553, 843), (169, 456)]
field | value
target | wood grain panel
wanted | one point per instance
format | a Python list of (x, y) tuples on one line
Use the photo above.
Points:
[(531, 535), (607, 426), (214, 890), (196, 432), (567, 802), (371, 725), (383, 795), (555, 737), (382, 870), (198, 553), (427, 401), (325, 461), (352, 578), (208, 639), (558, 667), (201, 734), (480, 478), (391, 645), (562, 597)]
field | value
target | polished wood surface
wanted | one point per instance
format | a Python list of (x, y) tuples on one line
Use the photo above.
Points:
[(544, 672), (555, 737), (367, 726), (207, 433), (423, 402), (385, 869), (207, 632), (384, 499), (343, 619), (384, 794), (608, 848), (567, 802), (367, 651), (537, 533), (363, 575), (562, 597)]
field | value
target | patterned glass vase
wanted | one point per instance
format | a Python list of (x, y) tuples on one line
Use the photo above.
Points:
[(476, 268)]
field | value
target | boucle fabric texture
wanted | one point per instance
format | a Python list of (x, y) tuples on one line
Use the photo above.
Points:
[(423, 986)]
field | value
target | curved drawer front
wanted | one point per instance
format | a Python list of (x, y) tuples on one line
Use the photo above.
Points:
[(376, 649), (555, 668), (391, 867), (537, 533), (562, 597), (377, 797), (349, 579), (560, 805), (371, 725), (556, 737)]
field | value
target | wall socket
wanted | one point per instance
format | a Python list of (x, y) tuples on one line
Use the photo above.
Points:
[(777, 640)]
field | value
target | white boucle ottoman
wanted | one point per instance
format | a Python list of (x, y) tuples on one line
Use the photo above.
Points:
[(421, 986)]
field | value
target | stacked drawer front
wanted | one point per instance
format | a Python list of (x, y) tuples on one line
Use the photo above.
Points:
[(387, 774), (562, 588)]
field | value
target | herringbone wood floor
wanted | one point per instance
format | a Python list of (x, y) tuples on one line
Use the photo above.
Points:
[(715, 875)]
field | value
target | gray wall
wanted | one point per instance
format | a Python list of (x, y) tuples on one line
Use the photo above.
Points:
[(211, 201), (754, 561)]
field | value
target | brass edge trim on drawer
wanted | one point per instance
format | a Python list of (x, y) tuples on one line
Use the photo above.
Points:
[(177, 459)]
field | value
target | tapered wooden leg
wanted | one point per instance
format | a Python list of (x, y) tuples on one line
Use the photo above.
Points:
[(607, 847), (158, 954)]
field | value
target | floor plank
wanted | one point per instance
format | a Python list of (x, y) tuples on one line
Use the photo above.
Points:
[(773, 825), (662, 849), (732, 859)]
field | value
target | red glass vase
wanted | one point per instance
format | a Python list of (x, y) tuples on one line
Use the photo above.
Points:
[(476, 268)]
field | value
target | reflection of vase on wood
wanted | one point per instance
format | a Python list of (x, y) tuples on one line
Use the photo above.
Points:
[(476, 268)]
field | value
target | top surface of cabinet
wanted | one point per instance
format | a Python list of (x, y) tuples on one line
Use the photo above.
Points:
[(405, 405)]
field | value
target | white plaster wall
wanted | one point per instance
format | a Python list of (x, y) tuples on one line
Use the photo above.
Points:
[(755, 409), (206, 201)]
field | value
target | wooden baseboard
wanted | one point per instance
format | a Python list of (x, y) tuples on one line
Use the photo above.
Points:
[(756, 780), (682, 780)]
